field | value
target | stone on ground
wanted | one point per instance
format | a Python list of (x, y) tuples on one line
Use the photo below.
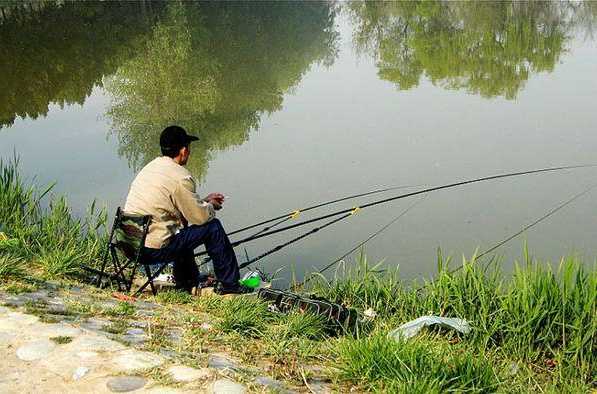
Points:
[(58, 330), (181, 373), (221, 363), (132, 360), (96, 343), (227, 386), (35, 350), (123, 384), (80, 372), (269, 382)]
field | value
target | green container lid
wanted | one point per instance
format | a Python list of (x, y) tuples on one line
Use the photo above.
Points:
[(251, 281)]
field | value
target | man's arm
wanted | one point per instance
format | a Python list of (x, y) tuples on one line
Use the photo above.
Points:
[(193, 209)]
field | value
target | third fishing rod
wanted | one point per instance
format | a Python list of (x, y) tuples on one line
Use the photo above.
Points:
[(348, 211)]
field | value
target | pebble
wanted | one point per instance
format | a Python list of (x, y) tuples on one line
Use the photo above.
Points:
[(221, 363), (97, 343), (35, 350), (206, 326), (56, 308), (86, 355), (93, 324), (134, 339), (319, 388), (227, 386), (15, 301), (145, 305), (58, 330), (269, 382), (182, 373), (6, 337), (39, 295), (80, 372), (145, 313), (175, 335), (135, 331), (4, 310), (123, 384), (133, 360), (139, 324)]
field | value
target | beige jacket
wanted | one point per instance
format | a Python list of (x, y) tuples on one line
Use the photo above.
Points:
[(166, 191)]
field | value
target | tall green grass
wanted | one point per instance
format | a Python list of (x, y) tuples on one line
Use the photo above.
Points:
[(380, 363), (538, 315), (42, 228)]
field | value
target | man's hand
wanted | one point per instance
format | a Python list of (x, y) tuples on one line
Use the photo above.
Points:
[(216, 199)]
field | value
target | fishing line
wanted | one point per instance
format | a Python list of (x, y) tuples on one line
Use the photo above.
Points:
[(423, 191), (525, 228), (360, 244), (534, 223)]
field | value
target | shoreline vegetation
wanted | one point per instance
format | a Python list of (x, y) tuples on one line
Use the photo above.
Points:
[(534, 330)]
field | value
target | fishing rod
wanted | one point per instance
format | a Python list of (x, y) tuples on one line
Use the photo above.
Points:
[(294, 214), (360, 244), (349, 211), (296, 239)]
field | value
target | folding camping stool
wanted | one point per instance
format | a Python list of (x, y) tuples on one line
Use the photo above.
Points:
[(125, 244)]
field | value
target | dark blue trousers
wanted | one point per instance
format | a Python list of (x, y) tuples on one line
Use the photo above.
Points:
[(181, 248)]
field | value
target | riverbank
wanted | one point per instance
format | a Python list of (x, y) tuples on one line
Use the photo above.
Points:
[(535, 330)]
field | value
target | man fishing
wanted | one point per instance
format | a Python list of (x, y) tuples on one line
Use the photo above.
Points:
[(180, 220)]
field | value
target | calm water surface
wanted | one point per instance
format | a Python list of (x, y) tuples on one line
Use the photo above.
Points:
[(298, 103)]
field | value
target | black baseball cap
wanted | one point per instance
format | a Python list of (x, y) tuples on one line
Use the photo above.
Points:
[(174, 137)]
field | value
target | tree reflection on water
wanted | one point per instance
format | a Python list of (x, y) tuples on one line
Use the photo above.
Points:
[(215, 68), (486, 48)]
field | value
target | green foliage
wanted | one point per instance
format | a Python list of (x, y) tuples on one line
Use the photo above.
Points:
[(535, 315), (174, 297), (11, 266), (300, 325), (58, 263), (245, 315), (123, 308), (52, 237), (61, 340), (379, 363)]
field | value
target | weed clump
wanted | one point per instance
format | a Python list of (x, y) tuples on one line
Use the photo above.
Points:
[(11, 267), (174, 297), (123, 308), (245, 315), (61, 340), (538, 315), (49, 234), (382, 364)]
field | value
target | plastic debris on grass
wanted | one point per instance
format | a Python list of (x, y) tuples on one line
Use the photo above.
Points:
[(413, 327)]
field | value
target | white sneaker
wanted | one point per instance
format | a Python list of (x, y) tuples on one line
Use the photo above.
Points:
[(164, 278)]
